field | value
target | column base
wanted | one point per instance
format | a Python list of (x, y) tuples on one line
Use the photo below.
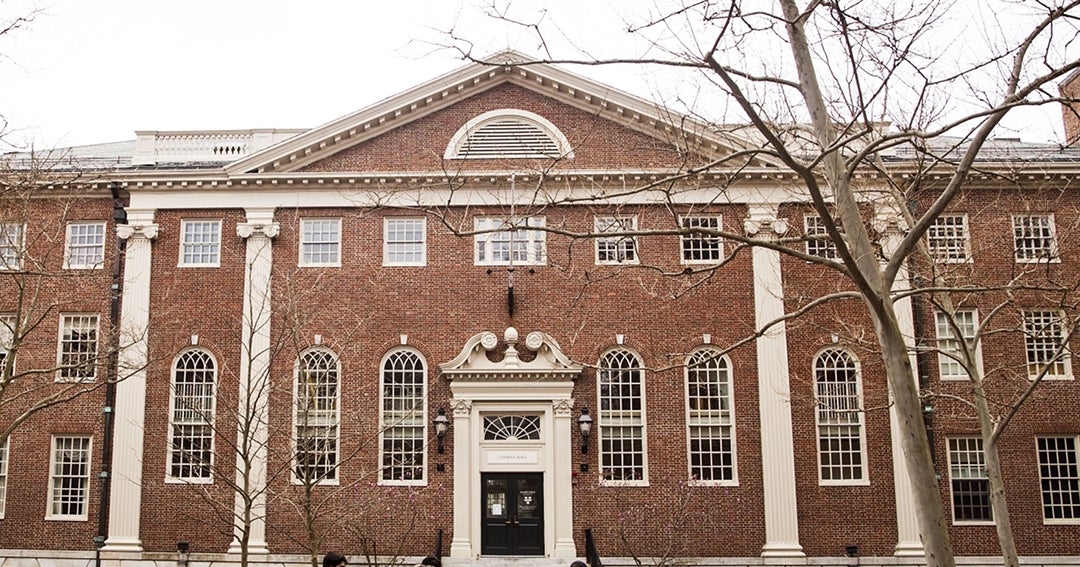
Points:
[(254, 548), (123, 544), (564, 549), (461, 549), (909, 549), (782, 550)]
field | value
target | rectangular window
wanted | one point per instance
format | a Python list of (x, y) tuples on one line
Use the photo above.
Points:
[(702, 247), (3, 475), (320, 242), (69, 478), (1044, 336), (949, 351), (404, 242), (1034, 239), (77, 361), (818, 242), (1059, 479), (11, 246), (510, 239), (200, 242), (85, 246), (616, 249), (947, 239), (968, 480)]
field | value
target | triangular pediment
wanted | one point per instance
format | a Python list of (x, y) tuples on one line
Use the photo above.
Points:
[(507, 70), (478, 360)]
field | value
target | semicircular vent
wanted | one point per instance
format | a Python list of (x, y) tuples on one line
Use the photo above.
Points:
[(508, 133)]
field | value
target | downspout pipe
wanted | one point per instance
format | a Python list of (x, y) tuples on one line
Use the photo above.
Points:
[(108, 411)]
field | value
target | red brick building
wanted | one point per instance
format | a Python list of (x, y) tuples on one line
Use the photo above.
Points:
[(401, 321)]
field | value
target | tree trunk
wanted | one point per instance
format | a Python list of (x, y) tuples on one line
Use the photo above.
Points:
[(933, 526), (998, 503)]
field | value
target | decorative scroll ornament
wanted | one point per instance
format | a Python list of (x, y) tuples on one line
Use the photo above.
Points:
[(763, 222), (246, 230), (563, 406), (461, 407), (127, 231)]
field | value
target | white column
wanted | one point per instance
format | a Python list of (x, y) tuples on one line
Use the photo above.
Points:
[(563, 475), (908, 542), (464, 500), (253, 434), (777, 445), (125, 493)]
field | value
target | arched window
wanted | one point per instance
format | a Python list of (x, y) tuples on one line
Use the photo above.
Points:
[(709, 420), (317, 415), (841, 443), (507, 134), (404, 418), (621, 380), (191, 416)]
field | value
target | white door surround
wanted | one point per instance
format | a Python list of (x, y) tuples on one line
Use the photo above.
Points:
[(541, 387)]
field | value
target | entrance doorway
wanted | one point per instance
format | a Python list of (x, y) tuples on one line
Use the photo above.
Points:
[(513, 522)]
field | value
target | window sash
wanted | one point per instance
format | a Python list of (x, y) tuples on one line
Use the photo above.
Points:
[(405, 242), (200, 243), (3, 475), (701, 248), (839, 416), (316, 417), (948, 367), (621, 419), (11, 246), (1044, 334), (78, 348), (69, 478), (404, 419), (818, 242), (1059, 479), (947, 239), (968, 481), (191, 447), (616, 249), (511, 237), (320, 242), (1034, 238), (85, 245)]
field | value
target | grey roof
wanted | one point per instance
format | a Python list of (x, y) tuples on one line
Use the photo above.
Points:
[(109, 155)]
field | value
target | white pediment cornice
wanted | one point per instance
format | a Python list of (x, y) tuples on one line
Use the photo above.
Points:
[(467, 81), (548, 365)]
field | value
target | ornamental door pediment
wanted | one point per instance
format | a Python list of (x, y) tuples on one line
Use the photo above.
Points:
[(479, 360)]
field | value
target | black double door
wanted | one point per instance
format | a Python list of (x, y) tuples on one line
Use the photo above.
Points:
[(513, 521)]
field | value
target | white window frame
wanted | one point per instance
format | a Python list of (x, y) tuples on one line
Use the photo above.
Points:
[(65, 366), (7, 335), (621, 246), (1023, 225), (968, 320), (1073, 478), (955, 467), (949, 240), (329, 419), (73, 260), (389, 245), (12, 246), (1063, 365), (334, 244), (4, 454), (828, 419), (516, 239), (56, 480), (214, 254), (708, 362), (690, 243), (609, 420), (822, 248), (408, 423), (199, 414)]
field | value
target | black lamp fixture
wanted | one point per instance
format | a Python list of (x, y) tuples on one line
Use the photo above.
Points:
[(182, 548), (442, 424), (584, 423)]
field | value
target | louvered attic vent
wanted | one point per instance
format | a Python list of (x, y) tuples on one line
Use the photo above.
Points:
[(508, 134)]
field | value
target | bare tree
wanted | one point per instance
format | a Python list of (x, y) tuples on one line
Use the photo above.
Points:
[(851, 91)]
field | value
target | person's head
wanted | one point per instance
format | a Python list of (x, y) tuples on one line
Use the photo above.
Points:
[(334, 559)]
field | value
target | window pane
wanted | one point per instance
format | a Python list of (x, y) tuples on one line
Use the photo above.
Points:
[(201, 242), (320, 242), (839, 417), (78, 347), (85, 245), (970, 485), (70, 477), (403, 417), (1059, 478), (621, 423)]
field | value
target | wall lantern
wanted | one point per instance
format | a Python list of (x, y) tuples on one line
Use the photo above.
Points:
[(442, 424), (584, 423)]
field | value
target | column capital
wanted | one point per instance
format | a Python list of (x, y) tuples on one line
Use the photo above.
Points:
[(246, 230), (890, 226), (129, 231), (763, 220), (563, 406)]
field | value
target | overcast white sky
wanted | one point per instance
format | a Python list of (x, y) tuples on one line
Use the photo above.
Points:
[(95, 71)]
